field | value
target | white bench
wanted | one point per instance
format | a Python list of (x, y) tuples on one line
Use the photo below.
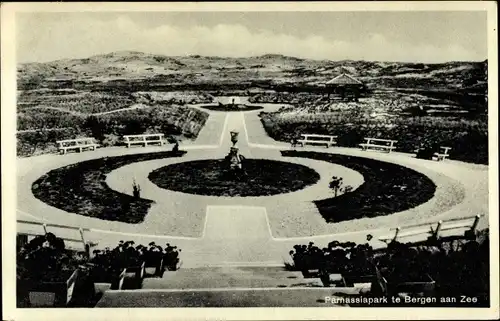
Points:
[(326, 140), (144, 139), (78, 144), (436, 229), (378, 144), (443, 153)]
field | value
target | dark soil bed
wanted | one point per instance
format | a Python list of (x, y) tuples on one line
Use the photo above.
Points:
[(81, 188), (388, 188), (209, 177), (230, 108)]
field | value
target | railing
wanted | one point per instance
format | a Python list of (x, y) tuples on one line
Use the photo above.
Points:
[(86, 245), (469, 223)]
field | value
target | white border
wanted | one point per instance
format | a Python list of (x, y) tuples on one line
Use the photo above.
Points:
[(9, 160)]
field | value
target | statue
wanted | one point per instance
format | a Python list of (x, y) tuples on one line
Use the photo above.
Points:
[(234, 159), (234, 137)]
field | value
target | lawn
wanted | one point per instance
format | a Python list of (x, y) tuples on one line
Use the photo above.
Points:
[(81, 188), (210, 177), (388, 188)]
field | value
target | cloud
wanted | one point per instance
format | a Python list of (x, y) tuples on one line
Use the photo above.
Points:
[(71, 38)]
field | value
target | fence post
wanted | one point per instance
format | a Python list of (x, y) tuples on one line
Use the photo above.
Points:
[(438, 228), (475, 224), (471, 233), (396, 234), (45, 228), (86, 248)]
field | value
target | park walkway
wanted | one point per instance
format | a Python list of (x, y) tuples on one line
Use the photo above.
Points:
[(215, 231)]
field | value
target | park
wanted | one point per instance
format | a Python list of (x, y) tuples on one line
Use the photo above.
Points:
[(235, 197)]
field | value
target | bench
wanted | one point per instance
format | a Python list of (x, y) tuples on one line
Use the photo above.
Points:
[(326, 140), (435, 230), (386, 145), (78, 144), (443, 153), (144, 139)]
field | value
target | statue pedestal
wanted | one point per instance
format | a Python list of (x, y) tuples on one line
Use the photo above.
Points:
[(234, 159)]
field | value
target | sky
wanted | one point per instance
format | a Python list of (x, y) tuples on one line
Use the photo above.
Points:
[(432, 36)]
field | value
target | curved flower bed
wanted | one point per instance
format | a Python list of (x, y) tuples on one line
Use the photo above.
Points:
[(209, 177), (81, 188), (388, 188)]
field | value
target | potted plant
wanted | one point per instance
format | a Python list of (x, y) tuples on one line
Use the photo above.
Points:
[(360, 267), (171, 258), (129, 258), (404, 270), (46, 272), (114, 266), (153, 258), (308, 259)]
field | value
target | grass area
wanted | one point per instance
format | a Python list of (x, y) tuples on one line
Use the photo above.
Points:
[(95, 101), (171, 120), (388, 188), (210, 177), (88, 102), (468, 138), (231, 108), (81, 188)]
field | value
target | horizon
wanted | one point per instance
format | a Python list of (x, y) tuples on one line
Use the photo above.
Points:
[(249, 57), (406, 37)]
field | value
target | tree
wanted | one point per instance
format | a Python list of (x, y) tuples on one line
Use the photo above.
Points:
[(336, 184)]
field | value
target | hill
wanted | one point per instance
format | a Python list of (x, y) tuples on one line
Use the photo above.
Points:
[(189, 72)]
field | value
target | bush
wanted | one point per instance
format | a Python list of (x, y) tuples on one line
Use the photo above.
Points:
[(108, 263), (111, 140), (45, 258), (42, 141), (458, 266), (467, 138), (47, 126)]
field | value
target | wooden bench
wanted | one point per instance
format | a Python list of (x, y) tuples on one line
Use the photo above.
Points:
[(435, 230), (443, 153), (78, 144), (326, 140), (144, 139), (386, 145)]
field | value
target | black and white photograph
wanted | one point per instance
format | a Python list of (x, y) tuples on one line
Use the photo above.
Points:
[(201, 156)]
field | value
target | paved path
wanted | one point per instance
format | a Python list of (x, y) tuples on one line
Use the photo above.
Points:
[(214, 230)]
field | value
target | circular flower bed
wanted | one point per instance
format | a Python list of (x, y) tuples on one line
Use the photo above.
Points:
[(388, 188), (210, 177), (230, 108)]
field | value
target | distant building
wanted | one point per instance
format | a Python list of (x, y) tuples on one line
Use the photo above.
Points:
[(346, 86)]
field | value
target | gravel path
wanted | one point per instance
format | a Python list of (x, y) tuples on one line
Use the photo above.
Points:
[(181, 219)]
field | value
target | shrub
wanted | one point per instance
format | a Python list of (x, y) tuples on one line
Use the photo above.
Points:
[(111, 140), (467, 138), (47, 126), (45, 258)]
